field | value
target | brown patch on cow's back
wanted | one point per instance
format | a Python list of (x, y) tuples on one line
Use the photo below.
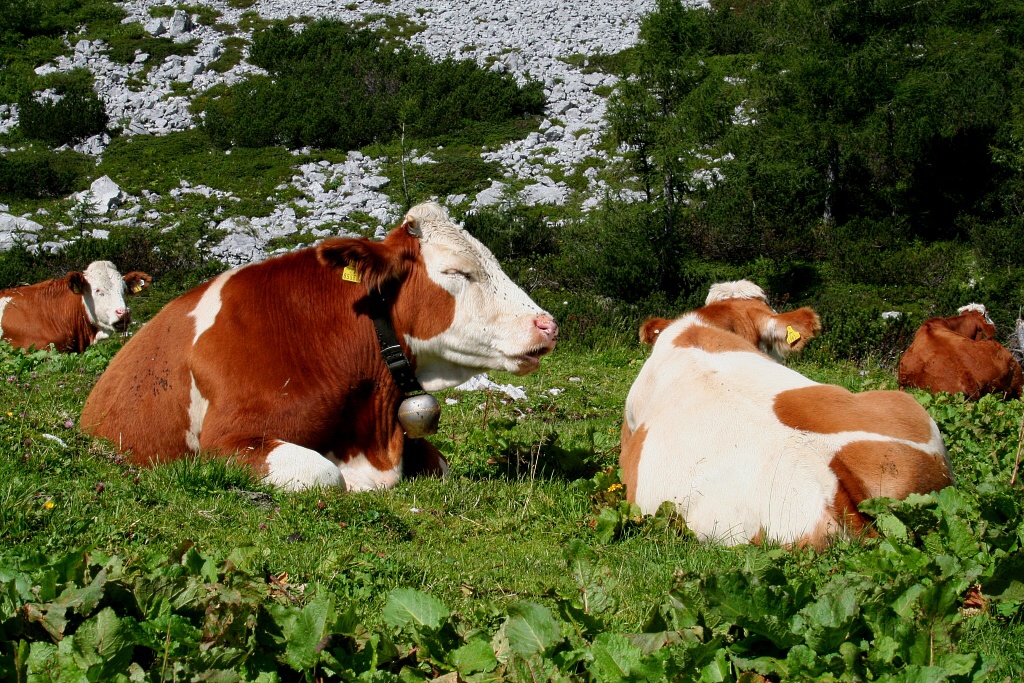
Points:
[(141, 401), (869, 469), (828, 409), (632, 447), (712, 340)]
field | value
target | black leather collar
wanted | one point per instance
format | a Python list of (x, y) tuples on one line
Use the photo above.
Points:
[(390, 350)]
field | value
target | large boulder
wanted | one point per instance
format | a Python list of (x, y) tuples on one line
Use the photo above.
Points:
[(103, 195), (16, 230)]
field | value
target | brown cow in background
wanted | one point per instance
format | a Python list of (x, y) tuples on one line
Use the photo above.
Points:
[(71, 312), (957, 355)]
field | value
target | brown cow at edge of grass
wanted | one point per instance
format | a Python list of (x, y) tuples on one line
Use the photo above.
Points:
[(958, 355), (72, 312)]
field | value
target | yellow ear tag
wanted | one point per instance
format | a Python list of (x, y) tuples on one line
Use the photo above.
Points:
[(792, 336), (350, 274), (136, 289)]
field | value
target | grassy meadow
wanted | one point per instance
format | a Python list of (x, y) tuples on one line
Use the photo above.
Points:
[(530, 527), (866, 158)]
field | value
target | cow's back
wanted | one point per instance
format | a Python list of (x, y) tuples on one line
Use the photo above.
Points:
[(940, 360), (141, 401), (748, 449)]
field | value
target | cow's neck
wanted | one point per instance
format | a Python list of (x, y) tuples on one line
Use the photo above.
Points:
[(83, 334), (392, 352), (422, 310)]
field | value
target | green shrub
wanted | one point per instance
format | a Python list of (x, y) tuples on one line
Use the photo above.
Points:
[(620, 63), (333, 86), (160, 163), (618, 252), (853, 327), (589, 321), (126, 40), (77, 114), (33, 174), (24, 19), (232, 54), (512, 234)]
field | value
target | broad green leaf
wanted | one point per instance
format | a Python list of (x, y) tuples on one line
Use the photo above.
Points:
[(307, 631), (474, 656), (961, 539), (652, 642), (243, 559), (717, 670), (101, 642), (531, 628), (49, 617), (591, 582), (891, 527), (615, 657), (410, 607), (43, 663), (608, 523), (923, 674), (906, 603), (958, 664), (827, 622)]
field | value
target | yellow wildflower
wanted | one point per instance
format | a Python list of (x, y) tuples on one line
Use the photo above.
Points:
[(615, 487), (48, 505)]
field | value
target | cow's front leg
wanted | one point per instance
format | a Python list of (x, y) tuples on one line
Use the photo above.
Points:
[(283, 464), (422, 459)]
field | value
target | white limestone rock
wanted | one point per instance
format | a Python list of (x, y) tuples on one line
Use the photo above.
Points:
[(104, 195), (17, 230), (482, 382), (155, 27), (180, 23), (544, 192), (491, 196)]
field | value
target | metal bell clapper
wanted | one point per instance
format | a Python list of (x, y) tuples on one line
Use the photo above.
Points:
[(419, 415)]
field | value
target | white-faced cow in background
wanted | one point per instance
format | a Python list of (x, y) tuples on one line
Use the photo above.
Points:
[(749, 316), (71, 312), (750, 450), (957, 355), (279, 363)]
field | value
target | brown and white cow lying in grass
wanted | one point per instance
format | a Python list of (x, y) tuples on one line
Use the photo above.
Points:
[(957, 355), (71, 312), (279, 361), (750, 450)]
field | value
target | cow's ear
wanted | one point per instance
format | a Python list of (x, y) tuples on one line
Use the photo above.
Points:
[(984, 331), (790, 332), (77, 282), (411, 225), (374, 264), (137, 282), (651, 330)]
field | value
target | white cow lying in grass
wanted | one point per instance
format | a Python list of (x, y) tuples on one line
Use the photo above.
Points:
[(750, 450)]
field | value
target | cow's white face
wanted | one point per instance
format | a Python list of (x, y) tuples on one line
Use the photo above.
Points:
[(496, 326), (103, 298)]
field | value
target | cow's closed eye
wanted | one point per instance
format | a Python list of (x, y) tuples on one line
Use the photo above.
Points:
[(455, 272)]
